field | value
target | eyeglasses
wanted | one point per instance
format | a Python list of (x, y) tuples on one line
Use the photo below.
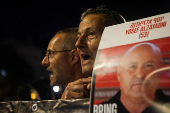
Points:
[(49, 54)]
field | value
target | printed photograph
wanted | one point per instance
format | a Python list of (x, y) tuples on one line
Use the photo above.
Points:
[(133, 75)]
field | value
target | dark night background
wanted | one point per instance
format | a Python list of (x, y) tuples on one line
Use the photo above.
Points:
[(27, 26)]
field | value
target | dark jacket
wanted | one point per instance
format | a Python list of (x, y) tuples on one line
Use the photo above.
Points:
[(161, 99)]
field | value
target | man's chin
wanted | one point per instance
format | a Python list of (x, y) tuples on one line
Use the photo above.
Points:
[(52, 83), (87, 71), (138, 94)]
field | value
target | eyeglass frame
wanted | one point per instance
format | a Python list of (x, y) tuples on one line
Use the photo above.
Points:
[(47, 54)]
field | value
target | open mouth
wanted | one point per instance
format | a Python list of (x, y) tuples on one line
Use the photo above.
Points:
[(50, 72), (85, 57), (51, 75)]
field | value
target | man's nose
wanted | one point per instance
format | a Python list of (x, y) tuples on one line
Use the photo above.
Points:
[(45, 61), (141, 73), (81, 42)]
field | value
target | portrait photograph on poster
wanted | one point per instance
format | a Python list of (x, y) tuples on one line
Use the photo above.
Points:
[(132, 68)]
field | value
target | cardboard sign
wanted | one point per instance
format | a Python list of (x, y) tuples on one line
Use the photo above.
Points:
[(132, 65)]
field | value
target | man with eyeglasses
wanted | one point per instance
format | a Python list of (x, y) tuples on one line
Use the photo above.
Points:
[(62, 59), (93, 22)]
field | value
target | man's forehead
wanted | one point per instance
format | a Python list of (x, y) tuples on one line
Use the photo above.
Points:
[(55, 41), (139, 54), (132, 60), (86, 29), (90, 21), (140, 51)]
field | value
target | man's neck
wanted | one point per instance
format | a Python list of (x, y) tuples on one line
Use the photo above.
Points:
[(77, 73), (134, 105)]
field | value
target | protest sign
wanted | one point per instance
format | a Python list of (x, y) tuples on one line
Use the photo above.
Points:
[(125, 48)]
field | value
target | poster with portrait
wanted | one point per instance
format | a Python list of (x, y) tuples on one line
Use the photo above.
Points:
[(132, 67)]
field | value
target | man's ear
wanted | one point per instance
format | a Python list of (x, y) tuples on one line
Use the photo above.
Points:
[(74, 56), (118, 72)]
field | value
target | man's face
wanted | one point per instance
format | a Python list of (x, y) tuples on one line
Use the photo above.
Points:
[(58, 63), (89, 35), (134, 68)]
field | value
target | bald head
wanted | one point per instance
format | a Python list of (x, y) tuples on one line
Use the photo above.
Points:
[(143, 50), (69, 40)]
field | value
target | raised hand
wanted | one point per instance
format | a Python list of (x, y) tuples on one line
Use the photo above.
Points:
[(78, 89)]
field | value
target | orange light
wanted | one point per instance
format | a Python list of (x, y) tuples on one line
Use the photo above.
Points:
[(33, 96)]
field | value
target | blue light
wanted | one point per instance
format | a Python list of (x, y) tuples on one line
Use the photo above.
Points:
[(3, 72)]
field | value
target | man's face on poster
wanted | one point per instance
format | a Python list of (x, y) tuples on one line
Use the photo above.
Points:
[(135, 66)]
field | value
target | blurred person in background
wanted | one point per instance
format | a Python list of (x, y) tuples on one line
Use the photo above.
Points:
[(26, 92)]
